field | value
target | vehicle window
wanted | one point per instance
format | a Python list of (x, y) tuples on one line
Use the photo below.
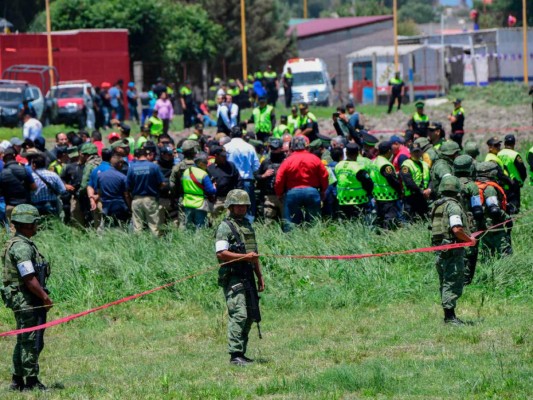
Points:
[(34, 93), (67, 92), (308, 78), (11, 95)]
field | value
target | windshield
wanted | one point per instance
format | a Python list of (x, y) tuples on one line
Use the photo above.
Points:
[(67, 92), (308, 78), (11, 95)]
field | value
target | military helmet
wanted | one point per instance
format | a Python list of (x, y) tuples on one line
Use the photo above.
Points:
[(25, 214), (422, 141), (237, 197), (487, 169), (471, 149), (189, 145), (450, 183), (449, 148), (463, 163), (89, 148)]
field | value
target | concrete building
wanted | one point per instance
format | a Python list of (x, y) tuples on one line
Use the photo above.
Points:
[(331, 39)]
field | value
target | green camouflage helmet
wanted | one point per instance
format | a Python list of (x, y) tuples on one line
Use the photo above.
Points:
[(450, 183), (487, 169), (422, 141), (25, 214), (464, 163), (449, 148), (237, 197), (89, 149), (471, 149), (189, 145)]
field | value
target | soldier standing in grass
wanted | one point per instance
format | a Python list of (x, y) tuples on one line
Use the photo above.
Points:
[(235, 241), (25, 273), (449, 223)]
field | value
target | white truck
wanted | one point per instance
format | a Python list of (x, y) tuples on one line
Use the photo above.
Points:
[(311, 83)]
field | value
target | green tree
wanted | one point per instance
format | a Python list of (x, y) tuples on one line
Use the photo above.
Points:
[(417, 10), (20, 12), (497, 13)]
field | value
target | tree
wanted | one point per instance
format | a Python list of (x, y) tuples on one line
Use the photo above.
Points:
[(417, 10), (20, 12), (497, 13)]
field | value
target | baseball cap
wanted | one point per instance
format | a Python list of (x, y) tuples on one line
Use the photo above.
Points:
[(16, 141), (419, 104), (383, 147), (457, 101), (509, 139), (397, 139), (368, 139), (352, 148), (125, 128), (494, 141), (113, 135)]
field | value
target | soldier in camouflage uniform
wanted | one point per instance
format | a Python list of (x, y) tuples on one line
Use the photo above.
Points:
[(497, 241), (235, 240), (190, 149), (471, 148), (91, 160), (430, 155), (24, 292), (464, 169), (449, 225), (444, 165)]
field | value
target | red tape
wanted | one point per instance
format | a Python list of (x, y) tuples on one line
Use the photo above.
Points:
[(63, 320), (480, 130)]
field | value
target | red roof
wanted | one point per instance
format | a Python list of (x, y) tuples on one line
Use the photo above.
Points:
[(327, 25)]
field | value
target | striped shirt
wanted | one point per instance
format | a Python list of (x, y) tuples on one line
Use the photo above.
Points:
[(43, 192)]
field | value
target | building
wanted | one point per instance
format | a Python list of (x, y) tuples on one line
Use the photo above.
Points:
[(96, 55), (331, 39)]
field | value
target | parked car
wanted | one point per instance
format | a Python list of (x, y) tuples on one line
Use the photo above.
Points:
[(310, 83), (66, 101), (12, 94)]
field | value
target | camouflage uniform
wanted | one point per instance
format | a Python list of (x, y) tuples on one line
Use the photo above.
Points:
[(20, 259), (239, 323), (447, 213)]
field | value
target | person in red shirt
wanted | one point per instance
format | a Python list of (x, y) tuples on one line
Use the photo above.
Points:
[(301, 183)]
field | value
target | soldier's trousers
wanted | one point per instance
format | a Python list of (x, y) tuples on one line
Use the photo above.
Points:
[(272, 208), (27, 350), (496, 243), (239, 324), (450, 267)]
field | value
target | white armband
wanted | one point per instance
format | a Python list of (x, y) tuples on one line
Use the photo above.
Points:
[(492, 201), (25, 268), (221, 245), (455, 220)]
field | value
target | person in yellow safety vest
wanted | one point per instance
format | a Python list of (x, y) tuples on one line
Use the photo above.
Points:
[(282, 128), (419, 122), (264, 119), (233, 89), (155, 124), (61, 160), (494, 145), (307, 123), (354, 185), (514, 166), (292, 120), (530, 162), (397, 88), (387, 188), (143, 138), (287, 87), (415, 177), (198, 190), (271, 85), (457, 121), (436, 135), (187, 105)]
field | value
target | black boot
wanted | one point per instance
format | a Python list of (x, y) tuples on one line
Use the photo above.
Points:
[(248, 360), (17, 383), (33, 382), (238, 359), (450, 318)]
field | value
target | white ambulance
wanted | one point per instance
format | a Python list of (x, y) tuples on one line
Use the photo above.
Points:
[(311, 83)]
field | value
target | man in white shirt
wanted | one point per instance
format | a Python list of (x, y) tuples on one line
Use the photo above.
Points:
[(32, 128)]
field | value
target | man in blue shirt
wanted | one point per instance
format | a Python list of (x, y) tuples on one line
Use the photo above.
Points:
[(113, 193), (353, 116), (115, 100), (144, 181)]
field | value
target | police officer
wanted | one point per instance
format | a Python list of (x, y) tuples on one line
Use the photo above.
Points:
[(516, 170), (419, 122), (457, 121), (354, 185), (25, 273), (271, 84), (235, 241), (189, 149), (444, 165), (415, 177), (397, 86), (497, 241), (464, 170), (436, 135), (449, 226), (287, 87), (387, 187), (264, 119), (494, 146)]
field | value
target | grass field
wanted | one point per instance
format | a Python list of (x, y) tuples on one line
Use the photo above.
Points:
[(368, 328)]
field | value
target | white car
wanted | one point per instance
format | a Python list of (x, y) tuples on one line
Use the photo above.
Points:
[(310, 81)]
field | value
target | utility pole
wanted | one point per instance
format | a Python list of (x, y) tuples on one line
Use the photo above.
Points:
[(525, 53), (305, 9), (49, 41), (395, 23), (243, 41)]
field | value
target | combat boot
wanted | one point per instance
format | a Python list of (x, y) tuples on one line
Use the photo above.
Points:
[(451, 318), (248, 360), (32, 382), (17, 383), (238, 359)]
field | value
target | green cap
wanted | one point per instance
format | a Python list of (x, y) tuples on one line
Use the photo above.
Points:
[(422, 142), (449, 148), (451, 184), (89, 149), (316, 144), (189, 145), (25, 214), (420, 104), (237, 197), (120, 143)]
